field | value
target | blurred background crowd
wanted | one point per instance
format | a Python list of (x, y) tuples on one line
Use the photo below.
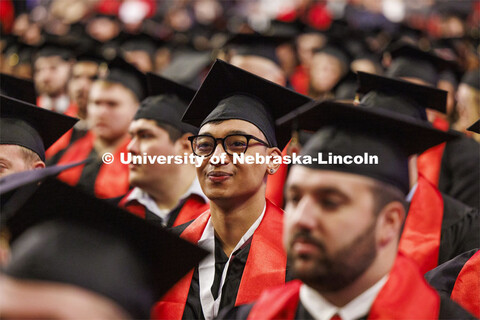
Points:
[(179, 40)]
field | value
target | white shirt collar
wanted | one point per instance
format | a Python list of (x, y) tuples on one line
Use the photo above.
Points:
[(59, 104), (411, 193), (144, 198), (206, 268), (321, 309)]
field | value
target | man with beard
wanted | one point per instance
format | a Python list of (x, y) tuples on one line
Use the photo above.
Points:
[(52, 66), (343, 222)]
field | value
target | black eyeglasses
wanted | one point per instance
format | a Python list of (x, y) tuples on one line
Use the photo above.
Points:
[(205, 145)]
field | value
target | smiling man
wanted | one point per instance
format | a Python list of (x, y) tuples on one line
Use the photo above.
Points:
[(235, 111), (165, 193), (343, 223)]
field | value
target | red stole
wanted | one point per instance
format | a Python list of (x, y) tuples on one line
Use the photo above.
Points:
[(466, 290), (190, 210), (112, 179), (405, 295), (423, 227), (64, 140), (265, 267), (429, 162), (300, 80)]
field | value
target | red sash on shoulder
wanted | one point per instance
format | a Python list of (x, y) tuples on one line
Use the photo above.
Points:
[(422, 231), (429, 162), (266, 264), (134, 207), (112, 179), (77, 152), (466, 290), (191, 209), (405, 295)]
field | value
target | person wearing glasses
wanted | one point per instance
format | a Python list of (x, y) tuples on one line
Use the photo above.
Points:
[(167, 194), (235, 111)]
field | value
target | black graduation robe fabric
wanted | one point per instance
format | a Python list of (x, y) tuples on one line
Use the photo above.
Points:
[(460, 171), (193, 307), (187, 210), (443, 277), (260, 263), (460, 229), (448, 310), (102, 180)]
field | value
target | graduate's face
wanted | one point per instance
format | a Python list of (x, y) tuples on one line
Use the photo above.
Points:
[(228, 181), (83, 75), (14, 159), (150, 139), (325, 72), (51, 75), (110, 110), (329, 227)]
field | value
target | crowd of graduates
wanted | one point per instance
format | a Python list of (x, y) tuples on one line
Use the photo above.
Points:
[(85, 82)]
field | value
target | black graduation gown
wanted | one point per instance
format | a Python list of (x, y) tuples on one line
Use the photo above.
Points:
[(460, 171), (448, 310), (193, 307), (460, 229), (443, 277)]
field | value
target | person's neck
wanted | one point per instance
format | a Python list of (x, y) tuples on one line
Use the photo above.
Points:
[(379, 268), (102, 145), (233, 221), (167, 193)]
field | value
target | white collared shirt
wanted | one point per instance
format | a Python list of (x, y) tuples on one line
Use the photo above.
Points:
[(59, 104), (206, 267), (411, 193), (144, 199), (321, 309)]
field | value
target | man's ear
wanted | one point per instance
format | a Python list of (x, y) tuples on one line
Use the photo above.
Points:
[(38, 165), (389, 223), (273, 166)]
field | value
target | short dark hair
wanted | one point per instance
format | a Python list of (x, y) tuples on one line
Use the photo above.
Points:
[(173, 132), (29, 156), (384, 194)]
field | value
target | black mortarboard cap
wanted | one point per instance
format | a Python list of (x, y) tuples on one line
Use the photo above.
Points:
[(347, 129), (229, 93), (187, 67), (140, 42), (475, 127), (472, 78), (92, 54), (256, 44), (87, 242), (336, 48), (126, 74), (18, 88), (285, 28), (409, 61), (400, 96), (16, 188), (63, 47), (29, 126), (166, 103)]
